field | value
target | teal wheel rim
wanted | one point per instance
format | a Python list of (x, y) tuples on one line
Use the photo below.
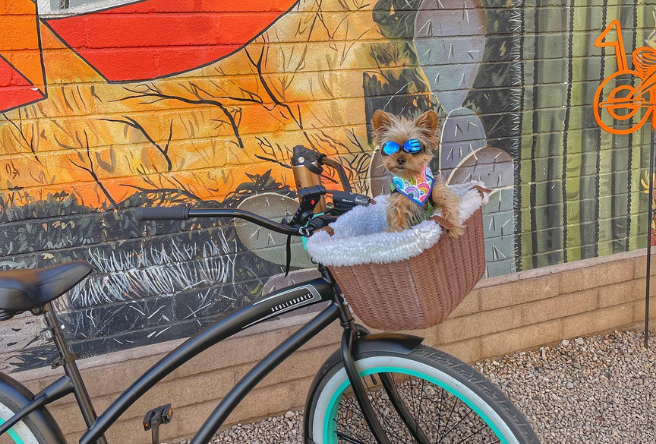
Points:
[(12, 434), (330, 426)]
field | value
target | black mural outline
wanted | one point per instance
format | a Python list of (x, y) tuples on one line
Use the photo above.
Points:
[(630, 162), (568, 111), (534, 139), (602, 75), (518, 165), (615, 231), (41, 62), (118, 82)]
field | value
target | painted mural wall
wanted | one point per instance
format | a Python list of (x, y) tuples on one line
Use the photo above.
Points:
[(106, 105)]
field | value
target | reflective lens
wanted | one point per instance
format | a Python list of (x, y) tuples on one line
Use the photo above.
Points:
[(391, 147), (412, 146)]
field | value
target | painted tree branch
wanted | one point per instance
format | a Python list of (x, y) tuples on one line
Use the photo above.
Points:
[(271, 151), (19, 127), (136, 125), (297, 118), (154, 94), (91, 169)]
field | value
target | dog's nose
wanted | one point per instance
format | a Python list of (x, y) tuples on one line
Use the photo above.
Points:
[(400, 160)]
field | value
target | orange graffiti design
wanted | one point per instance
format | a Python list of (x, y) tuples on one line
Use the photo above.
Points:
[(633, 90)]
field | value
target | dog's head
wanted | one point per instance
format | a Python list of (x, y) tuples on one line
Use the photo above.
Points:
[(390, 128)]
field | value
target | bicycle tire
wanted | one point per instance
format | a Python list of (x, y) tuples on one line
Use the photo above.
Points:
[(452, 376), (25, 432)]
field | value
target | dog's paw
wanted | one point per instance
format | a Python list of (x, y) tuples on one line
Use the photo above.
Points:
[(457, 230)]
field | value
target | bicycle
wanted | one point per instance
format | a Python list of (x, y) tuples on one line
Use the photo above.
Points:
[(377, 388)]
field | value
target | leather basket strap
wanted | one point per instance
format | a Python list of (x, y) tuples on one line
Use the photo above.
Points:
[(442, 222)]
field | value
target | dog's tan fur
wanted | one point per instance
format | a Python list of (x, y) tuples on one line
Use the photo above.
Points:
[(402, 213)]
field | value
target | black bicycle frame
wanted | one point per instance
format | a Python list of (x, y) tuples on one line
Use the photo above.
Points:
[(275, 304), (282, 301)]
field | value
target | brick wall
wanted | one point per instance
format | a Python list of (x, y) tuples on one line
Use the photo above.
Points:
[(204, 104), (502, 315)]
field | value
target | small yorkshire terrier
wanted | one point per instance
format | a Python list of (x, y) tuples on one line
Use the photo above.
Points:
[(407, 147)]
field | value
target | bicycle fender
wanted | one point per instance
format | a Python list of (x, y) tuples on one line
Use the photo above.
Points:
[(386, 342), (42, 419), (368, 344)]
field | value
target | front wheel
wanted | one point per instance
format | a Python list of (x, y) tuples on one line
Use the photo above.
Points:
[(25, 432), (447, 400)]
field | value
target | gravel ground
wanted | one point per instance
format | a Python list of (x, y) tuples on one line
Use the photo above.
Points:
[(593, 390)]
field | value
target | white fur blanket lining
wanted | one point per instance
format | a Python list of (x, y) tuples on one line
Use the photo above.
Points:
[(360, 236)]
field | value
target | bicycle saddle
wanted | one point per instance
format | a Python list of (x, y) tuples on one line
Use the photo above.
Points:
[(26, 289)]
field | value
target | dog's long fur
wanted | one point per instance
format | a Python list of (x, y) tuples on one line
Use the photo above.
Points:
[(402, 213)]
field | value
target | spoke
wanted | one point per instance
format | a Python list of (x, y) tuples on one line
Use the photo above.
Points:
[(439, 412), (475, 433), (412, 397), (456, 425), (421, 393), (351, 438), (380, 414), (347, 439), (401, 407), (453, 408), (349, 409)]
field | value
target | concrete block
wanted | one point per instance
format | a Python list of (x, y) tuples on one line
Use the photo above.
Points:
[(597, 276), (518, 292), (559, 307)]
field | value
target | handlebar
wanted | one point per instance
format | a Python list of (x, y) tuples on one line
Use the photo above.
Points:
[(185, 213)]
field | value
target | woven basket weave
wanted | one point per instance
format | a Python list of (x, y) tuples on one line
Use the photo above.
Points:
[(419, 292)]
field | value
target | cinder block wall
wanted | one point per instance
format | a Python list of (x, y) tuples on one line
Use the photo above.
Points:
[(502, 315)]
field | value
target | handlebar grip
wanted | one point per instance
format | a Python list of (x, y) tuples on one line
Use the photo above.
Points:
[(162, 213)]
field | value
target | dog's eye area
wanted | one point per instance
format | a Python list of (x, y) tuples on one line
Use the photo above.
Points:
[(412, 146), (390, 147)]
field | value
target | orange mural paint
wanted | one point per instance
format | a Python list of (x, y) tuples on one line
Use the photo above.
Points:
[(21, 70), (626, 99)]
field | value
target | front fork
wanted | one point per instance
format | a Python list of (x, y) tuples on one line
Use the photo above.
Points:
[(352, 332)]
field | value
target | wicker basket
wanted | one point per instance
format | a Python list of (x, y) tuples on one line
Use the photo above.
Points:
[(422, 291)]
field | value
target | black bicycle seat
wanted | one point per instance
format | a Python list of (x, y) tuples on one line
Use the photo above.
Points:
[(26, 289)]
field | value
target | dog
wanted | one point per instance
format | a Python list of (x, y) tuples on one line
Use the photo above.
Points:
[(407, 147)]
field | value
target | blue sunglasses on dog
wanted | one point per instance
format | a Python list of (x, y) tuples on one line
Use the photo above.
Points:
[(411, 146)]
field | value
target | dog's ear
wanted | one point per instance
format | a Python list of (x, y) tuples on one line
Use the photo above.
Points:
[(427, 122), (381, 120)]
